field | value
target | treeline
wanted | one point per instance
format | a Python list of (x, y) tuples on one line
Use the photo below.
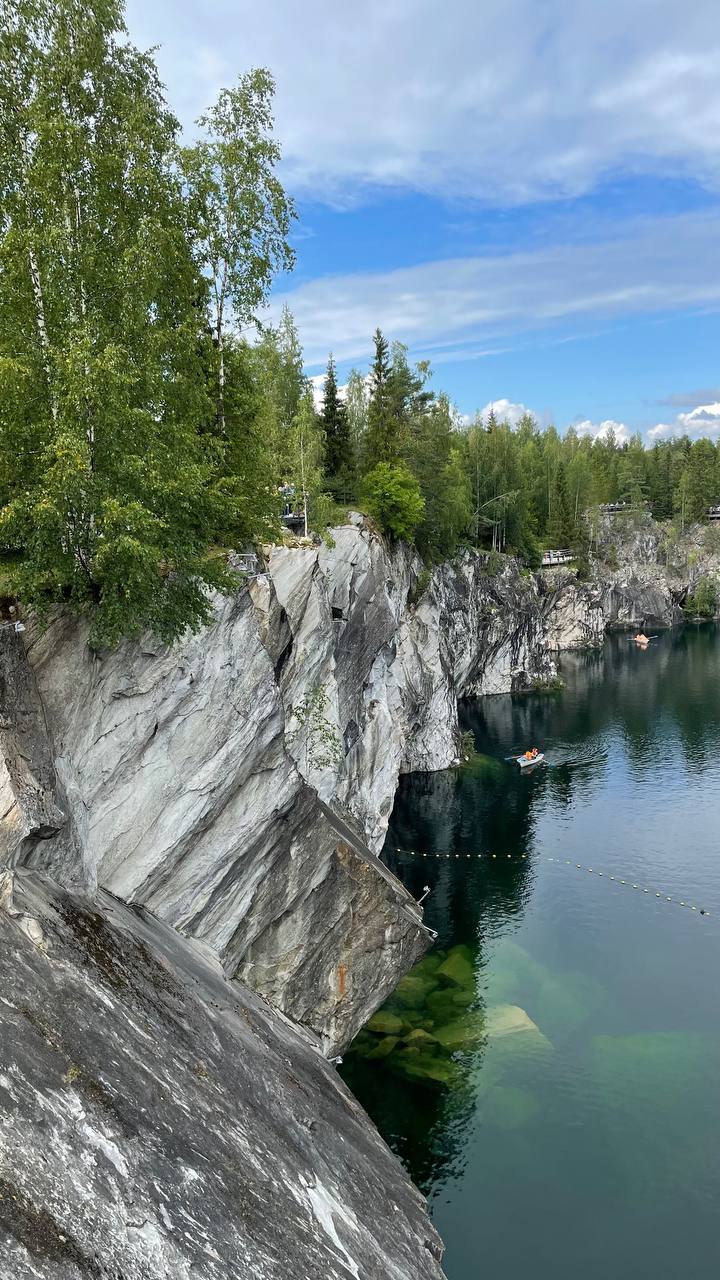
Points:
[(400, 451), (149, 423)]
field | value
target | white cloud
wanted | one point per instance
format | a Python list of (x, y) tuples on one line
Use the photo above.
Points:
[(655, 265), (507, 411), (601, 430), (702, 421), (507, 100)]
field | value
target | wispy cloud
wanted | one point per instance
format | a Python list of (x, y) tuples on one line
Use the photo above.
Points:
[(509, 100), (690, 399), (659, 265)]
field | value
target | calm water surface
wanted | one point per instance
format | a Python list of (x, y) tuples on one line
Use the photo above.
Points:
[(551, 1075)]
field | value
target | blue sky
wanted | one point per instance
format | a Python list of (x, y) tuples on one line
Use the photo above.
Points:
[(525, 191)]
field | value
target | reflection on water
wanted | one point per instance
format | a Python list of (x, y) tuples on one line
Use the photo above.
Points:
[(549, 1073)]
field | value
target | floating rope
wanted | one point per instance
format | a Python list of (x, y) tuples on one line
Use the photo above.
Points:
[(567, 862), (417, 853), (639, 888)]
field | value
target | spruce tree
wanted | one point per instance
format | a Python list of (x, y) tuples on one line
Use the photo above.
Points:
[(339, 461), (380, 444)]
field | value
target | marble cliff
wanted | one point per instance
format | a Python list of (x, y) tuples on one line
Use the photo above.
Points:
[(194, 919)]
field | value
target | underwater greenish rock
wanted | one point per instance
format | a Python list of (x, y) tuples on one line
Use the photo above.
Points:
[(508, 1019), (428, 965), (676, 1065), (510, 1108), (458, 967), (364, 1042), (463, 1033), (441, 1005), (385, 1022), (427, 1069), (482, 764), (414, 1017), (629, 1075), (383, 1047), (505, 1020), (413, 990), (464, 997), (420, 1035)]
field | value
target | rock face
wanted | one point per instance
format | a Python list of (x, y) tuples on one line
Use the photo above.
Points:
[(238, 785), (207, 819), (192, 780), (185, 799), (641, 576), (160, 1123)]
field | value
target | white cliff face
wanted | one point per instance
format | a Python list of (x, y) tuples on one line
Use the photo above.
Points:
[(191, 781), (238, 784), (393, 670)]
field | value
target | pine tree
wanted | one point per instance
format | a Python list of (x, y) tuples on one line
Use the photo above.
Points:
[(380, 442), (339, 460)]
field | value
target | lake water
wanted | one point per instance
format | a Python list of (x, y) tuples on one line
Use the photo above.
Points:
[(550, 1075)]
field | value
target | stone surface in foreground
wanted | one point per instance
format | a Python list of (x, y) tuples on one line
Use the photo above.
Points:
[(158, 1121)]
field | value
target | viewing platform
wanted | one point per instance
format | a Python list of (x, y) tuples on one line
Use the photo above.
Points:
[(556, 557), (713, 513)]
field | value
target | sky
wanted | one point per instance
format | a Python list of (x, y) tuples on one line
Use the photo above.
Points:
[(526, 192)]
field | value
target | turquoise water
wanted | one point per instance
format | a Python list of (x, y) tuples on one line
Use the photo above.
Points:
[(551, 1075)]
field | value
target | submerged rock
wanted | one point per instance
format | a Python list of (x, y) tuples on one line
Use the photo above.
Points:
[(509, 1020), (458, 967)]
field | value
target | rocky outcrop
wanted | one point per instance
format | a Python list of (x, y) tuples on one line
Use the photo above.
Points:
[(160, 1123), (230, 784), (392, 667), (238, 785), (641, 575), (186, 800)]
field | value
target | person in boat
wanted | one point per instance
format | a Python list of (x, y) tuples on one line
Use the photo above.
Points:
[(532, 754), (641, 638)]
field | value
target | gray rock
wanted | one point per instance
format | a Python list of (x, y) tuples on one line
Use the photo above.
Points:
[(160, 1123)]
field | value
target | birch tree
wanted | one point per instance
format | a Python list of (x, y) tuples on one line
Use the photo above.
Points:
[(241, 214), (102, 367)]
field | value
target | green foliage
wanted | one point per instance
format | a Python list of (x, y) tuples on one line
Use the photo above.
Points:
[(239, 215), (467, 750), (703, 603), (393, 498), (126, 452), (436, 460), (494, 564), (305, 454), (419, 587), (340, 461), (322, 746)]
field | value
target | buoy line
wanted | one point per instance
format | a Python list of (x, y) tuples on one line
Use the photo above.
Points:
[(639, 888), (567, 862)]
